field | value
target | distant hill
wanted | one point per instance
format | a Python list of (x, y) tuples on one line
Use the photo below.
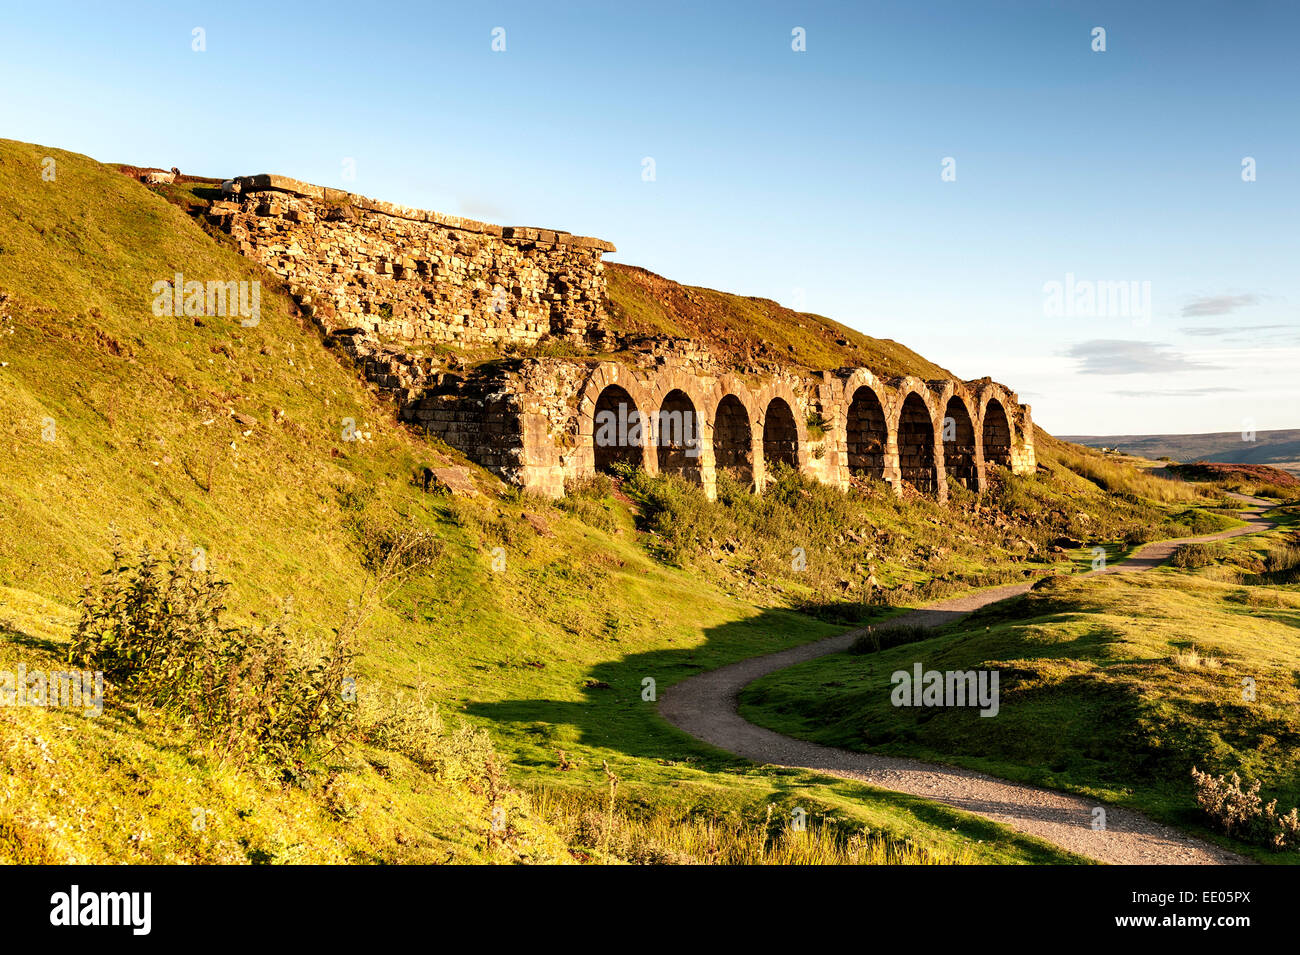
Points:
[(1248, 473), (1278, 448)]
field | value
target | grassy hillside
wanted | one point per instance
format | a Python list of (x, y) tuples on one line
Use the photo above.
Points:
[(212, 435), (1113, 686), (534, 621), (749, 331)]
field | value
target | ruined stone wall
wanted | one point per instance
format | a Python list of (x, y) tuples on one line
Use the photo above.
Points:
[(416, 277)]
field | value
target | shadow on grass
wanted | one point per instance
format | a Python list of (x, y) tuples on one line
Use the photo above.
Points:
[(613, 715), (21, 639), (618, 710)]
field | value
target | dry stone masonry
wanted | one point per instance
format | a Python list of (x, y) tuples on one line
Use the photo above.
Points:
[(415, 277), (406, 292), (537, 423)]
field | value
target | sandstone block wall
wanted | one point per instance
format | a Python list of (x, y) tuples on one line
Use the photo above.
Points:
[(537, 422), (417, 277)]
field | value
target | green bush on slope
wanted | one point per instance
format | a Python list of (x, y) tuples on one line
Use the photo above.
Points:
[(154, 626)]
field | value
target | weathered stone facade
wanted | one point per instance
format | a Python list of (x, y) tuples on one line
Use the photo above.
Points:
[(415, 277), (388, 282), (538, 423)]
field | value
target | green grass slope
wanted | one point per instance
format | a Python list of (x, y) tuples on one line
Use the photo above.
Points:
[(747, 331), (1112, 686), (536, 622)]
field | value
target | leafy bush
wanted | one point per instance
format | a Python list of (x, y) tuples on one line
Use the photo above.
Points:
[(1243, 813), (1140, 534), (816, 426), (596, 487), (153, 626)]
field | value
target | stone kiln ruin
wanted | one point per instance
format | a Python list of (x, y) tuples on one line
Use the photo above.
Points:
[(415, 277), (395, 285)]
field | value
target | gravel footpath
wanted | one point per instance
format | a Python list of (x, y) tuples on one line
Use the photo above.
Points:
[(706, 707)]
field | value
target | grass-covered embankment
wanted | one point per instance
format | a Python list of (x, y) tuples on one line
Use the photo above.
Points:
[(1114, 686)]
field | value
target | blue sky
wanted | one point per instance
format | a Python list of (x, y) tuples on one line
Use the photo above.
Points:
[(810, 177)]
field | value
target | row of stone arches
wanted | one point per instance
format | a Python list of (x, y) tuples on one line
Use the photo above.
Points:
[(909, 432), (673, 435)]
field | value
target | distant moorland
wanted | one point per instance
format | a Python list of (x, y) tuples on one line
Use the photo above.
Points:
[(1278, 448)]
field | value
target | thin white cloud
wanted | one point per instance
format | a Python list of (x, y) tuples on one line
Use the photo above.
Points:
[(1218, 304), (1118, 356), (1177, 393), (1224, 331)]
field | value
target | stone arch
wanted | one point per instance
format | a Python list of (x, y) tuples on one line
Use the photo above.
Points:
[(607, 387), (619, 432), (782, 440), (678, 437), (960, 454), (997, 433), (917, 463), (733, 438), (866, 433)]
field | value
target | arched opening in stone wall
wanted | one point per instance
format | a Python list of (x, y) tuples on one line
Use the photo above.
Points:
[(678, 436), (959, 444), (867, 435), (916, 445), (997, 434), (618, 432), (780, 435), (733, 449)]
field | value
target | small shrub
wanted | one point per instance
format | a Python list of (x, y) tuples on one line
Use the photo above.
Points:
[(597, 487), (1142, 534), (153, 625), (412, 726), (383, 538), (589, 500), (400, 724), (1242, 813), (816, 426)]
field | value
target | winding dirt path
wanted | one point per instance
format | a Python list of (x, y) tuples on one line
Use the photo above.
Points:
[(706, 707)]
